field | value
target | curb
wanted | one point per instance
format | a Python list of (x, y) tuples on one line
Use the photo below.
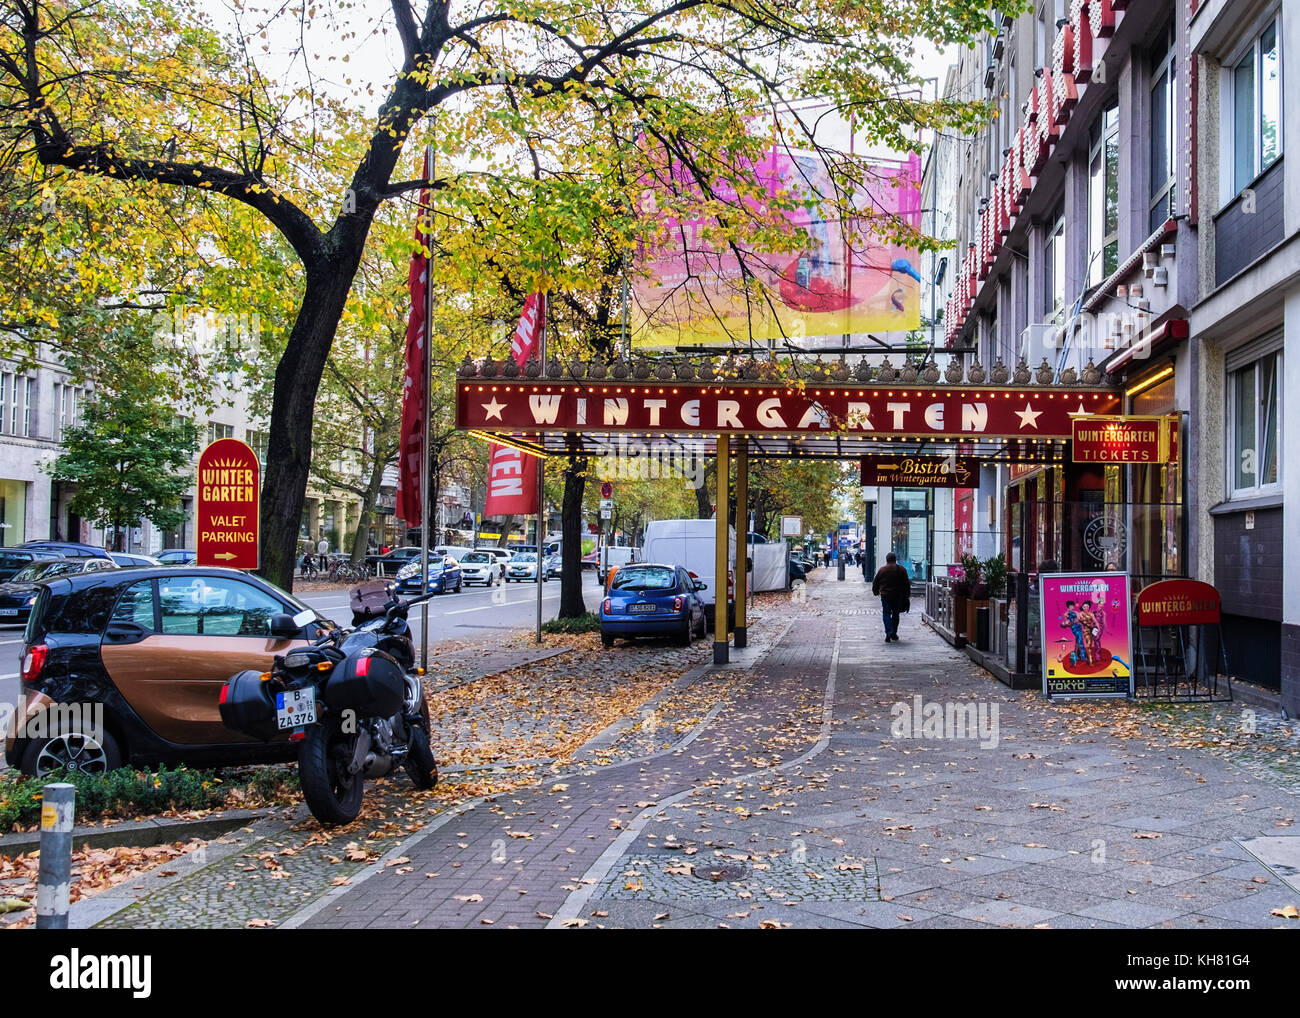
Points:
[(141, 833)]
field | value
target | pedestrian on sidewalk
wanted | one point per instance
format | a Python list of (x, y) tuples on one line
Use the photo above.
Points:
[(894, 587)]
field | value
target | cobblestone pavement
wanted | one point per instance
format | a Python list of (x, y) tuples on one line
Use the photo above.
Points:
[(797, 791)]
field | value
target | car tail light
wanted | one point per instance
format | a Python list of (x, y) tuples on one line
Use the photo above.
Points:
[(34, 661), (225, 692), (677, 604), (363, 666), (608, 606)]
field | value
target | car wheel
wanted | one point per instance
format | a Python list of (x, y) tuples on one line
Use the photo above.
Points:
[(90, 753), (606, 640), (684, 637)]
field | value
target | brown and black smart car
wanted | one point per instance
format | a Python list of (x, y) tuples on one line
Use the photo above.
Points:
[(127, 665)]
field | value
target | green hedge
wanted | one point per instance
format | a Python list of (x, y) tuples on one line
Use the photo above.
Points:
[(127, 792), (588, 623)]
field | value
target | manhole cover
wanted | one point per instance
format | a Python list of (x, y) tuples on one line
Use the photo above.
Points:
[(722, 872)]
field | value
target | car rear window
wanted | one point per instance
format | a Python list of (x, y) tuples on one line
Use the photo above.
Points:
[(644, 578), (477, 556)]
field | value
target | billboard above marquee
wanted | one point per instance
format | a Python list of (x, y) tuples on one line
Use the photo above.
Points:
[(846, 276)]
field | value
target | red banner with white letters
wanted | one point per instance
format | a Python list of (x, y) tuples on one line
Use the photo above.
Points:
[(512, 475), (415, 422)]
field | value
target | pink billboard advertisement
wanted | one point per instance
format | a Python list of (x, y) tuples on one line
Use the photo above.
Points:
[(1087, 640), (843, 274)]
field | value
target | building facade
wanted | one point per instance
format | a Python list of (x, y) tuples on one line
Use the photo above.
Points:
[(1127, 215)]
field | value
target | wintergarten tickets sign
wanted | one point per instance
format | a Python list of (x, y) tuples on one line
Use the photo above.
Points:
[(1121, 440), (528, 407)]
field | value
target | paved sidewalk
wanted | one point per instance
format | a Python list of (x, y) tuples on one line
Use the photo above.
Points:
[(789, 792)]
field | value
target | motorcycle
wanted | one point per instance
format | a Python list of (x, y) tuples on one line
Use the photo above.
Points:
[(352, 698)]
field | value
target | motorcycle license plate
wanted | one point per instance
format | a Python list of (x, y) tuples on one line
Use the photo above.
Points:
[(295, 707), (640, 607), (8, 611)]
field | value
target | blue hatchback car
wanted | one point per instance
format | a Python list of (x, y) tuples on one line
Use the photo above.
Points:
[(650, 599), (444, 575)]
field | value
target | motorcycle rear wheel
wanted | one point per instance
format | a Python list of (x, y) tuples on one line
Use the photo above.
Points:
[(333, 795)]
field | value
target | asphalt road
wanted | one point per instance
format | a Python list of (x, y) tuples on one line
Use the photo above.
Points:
[(474, 612)]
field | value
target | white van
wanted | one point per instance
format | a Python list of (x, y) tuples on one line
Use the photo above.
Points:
[(692, 543), (614, 556), (454, 550)]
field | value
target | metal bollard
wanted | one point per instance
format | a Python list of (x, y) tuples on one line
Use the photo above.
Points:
[(58, 807), (841, 569)]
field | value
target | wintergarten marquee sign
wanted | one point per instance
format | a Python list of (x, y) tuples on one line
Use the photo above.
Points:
[(530, 407)]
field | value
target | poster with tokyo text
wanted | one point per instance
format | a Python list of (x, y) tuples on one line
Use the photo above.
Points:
[(1087, 640)]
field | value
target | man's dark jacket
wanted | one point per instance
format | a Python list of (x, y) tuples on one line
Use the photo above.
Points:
[(893, 584)]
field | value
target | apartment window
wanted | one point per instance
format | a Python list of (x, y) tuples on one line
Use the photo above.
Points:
[(1103, 196), (1254, 420), (216, 431), (1163, 121), (29, 384), (257, 441), (1256, 109), (6, 389), (1054, 264)]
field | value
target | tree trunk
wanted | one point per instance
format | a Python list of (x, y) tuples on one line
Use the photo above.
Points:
[(366, 519), (293, 405), (507, 525), (703, 494), (571, 521)]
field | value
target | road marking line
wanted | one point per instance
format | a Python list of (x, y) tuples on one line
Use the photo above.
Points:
[(503, 604)]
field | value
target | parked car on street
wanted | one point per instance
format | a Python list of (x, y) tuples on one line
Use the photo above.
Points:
[(554, 565), (178, 557), (691, 543), (14, 559), (18, 595), (389, 563), (444, 575), (523, 567), (652, 599), (127, 561), (150, 649), (481, 567), (66, 549)]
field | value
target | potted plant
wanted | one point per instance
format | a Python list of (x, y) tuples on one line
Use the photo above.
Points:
[(995, 575), (961, 592)]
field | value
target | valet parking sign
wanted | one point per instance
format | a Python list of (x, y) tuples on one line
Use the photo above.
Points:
[(226, 524)]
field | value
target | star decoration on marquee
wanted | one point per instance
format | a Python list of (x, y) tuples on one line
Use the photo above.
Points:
[(1081, 412), (493, 409), (1029, 416)]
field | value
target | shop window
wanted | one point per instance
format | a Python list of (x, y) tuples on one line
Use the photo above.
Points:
[(1254, 423), (1255, 107), (1103, 196), (1163, 120)]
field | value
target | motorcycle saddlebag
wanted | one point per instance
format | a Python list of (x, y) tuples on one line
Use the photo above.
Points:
[(248, 707), (370, 683)]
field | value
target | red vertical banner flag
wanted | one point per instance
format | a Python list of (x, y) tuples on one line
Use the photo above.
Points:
[(512, 475), (415, 424)]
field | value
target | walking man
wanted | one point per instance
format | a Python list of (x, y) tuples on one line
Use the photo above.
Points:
[(893, 586), (322, 552)]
